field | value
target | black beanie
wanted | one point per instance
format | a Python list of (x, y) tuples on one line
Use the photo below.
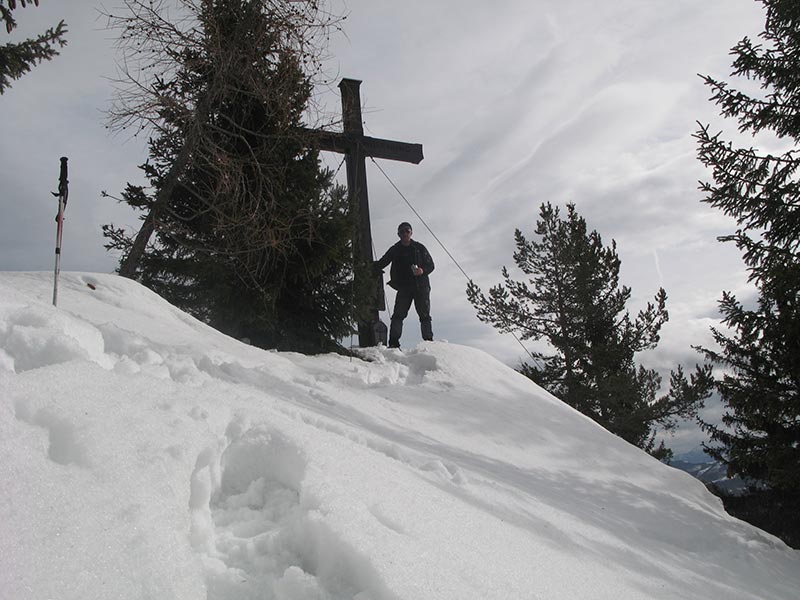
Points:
[(404, 224)]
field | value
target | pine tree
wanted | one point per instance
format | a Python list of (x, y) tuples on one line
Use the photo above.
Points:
[(18, 59), (759, 437), (573, 301), (251, 235)]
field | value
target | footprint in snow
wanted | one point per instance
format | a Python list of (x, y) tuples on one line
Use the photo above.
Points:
[(259, 535)]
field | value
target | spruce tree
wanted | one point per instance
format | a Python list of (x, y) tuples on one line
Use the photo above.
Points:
[(251, 234), (573, 300), (18, 59), (759, 351)]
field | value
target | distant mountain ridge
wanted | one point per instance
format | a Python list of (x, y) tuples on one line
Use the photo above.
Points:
[(700, 465)]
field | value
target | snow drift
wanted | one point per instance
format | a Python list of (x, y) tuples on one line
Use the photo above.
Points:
[(144, 455)]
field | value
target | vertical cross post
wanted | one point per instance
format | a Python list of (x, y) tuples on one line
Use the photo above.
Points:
[(359, 200)]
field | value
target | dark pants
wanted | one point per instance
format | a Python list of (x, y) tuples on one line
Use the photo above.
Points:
[(421, 297)]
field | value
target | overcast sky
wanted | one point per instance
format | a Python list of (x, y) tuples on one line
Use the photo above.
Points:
[(516, 102)]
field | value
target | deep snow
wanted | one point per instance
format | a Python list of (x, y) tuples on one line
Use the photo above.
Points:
[(145, 455)]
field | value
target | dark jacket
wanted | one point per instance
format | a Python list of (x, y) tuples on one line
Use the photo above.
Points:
[(402, 257)]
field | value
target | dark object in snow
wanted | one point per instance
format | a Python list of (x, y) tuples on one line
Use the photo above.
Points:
[(62, 195)]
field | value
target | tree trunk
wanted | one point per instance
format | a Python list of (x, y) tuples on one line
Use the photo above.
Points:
[(130, 263)]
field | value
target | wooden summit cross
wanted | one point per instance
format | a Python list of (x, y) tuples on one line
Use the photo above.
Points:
[(356, 147)]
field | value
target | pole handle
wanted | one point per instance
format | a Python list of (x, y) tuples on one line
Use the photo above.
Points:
[(63, 182)]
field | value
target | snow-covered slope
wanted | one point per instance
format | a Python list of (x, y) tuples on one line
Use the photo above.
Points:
[(144, 455)]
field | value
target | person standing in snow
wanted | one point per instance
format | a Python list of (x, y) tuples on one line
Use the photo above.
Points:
[(411, 265)]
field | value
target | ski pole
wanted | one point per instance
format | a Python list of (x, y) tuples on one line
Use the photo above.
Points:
[(63, 193)]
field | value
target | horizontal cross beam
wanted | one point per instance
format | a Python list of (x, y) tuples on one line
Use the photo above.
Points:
[(344, 143)]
